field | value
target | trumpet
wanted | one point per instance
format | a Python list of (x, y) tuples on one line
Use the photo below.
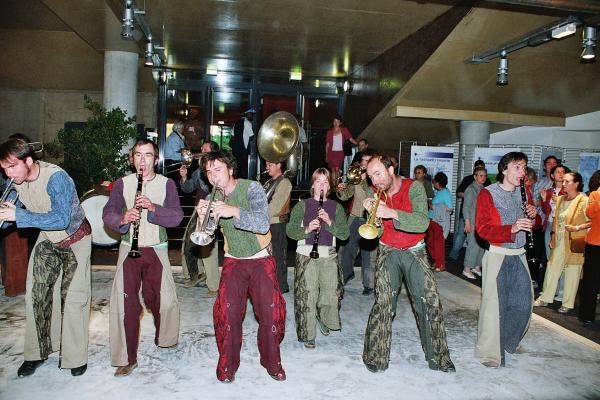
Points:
[(205, 229), (4, 198), (370, 229), (353, 175), (187, 158)]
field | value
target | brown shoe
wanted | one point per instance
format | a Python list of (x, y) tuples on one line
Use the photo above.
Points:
[(211, 293), (125, 370)]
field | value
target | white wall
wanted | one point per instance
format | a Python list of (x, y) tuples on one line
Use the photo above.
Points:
[(41, 113), (580, 132)]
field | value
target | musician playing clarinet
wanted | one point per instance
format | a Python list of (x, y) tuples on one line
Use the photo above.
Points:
[(507, 294), (58, 297), (316, 223), (149, 212)]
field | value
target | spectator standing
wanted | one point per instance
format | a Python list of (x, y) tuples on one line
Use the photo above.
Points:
[(439, 224), (474, 253), (175, 142), (459, 221), (569, 216), (420, 174), (242, 142), (334, 146)]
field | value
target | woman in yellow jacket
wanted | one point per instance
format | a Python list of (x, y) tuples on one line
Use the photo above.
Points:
[(569, 216)]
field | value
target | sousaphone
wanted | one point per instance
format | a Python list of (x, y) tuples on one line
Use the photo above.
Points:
[(278, 141)]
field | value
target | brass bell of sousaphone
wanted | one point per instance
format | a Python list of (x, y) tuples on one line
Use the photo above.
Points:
[(278, 141)]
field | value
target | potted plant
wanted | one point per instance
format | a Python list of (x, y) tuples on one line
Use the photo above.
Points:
[(97, 151)]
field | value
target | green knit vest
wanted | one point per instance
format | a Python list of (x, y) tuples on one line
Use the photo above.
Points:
[(246, 243)]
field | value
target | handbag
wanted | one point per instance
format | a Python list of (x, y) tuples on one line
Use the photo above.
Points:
[(347, 148), (577, 238)]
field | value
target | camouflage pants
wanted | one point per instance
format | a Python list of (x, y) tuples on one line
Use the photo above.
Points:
[(392, 268), (317, 295), (49, 261)]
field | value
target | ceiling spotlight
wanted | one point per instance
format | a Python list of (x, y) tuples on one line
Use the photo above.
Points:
[(589, 42), (149, 52), (127, 26), (502, 70)]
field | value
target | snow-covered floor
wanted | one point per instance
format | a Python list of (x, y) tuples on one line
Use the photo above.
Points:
[(552, 366)]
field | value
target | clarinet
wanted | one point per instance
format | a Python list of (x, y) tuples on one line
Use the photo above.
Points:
[(135, 252), (314, 253), (529, 243)]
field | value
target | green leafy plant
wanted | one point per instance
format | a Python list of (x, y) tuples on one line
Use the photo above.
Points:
[(95, 152)]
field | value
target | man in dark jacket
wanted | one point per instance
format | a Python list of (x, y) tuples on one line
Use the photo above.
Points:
[(242, 141)]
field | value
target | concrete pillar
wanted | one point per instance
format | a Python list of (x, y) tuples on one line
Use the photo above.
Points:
[(471, 133), (474, 132), (121, 81)]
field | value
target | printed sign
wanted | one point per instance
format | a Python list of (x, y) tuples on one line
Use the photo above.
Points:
[(435, 159), (588, 164), (491, 156)]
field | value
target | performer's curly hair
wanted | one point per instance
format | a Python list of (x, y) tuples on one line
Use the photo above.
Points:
[(507, 159), (222, 155)]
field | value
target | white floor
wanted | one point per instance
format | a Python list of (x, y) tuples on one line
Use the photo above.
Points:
[(553, 366)]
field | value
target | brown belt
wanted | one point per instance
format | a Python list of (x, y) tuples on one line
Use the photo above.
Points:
[(84, 229)]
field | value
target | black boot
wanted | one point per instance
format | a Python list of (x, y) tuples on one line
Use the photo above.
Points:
[(29, 367), (79, 370)]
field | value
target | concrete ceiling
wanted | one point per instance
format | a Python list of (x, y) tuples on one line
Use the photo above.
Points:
[(59, 44), (544, 81)]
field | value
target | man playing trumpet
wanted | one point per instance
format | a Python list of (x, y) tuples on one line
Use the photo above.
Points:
[(58, 297), (241, 210), (199, 263), (358, 192), (151, 271), (402, 256)]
